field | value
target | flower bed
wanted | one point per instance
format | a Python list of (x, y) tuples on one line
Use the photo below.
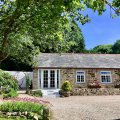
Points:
[(26, 108), (27, 99)]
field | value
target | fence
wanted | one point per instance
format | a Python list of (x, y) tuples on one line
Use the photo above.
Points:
[(20, 76)]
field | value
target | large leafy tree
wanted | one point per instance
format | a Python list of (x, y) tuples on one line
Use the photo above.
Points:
[(74, 38), (104, 49), (116, 47), (73, 41), (26, 24)]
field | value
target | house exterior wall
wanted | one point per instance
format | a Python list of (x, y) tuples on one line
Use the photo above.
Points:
[(69, 74), (90, 76), (35, 79)]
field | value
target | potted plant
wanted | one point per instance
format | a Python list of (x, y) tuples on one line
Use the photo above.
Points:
[(65, 89)]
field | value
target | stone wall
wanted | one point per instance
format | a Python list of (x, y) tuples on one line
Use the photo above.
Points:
[(94, 91), (35, 79), (90, 76)]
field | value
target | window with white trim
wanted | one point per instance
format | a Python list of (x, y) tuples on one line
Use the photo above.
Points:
[(106, 77), (80, 76)]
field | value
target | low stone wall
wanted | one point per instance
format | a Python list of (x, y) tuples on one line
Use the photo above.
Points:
[(95, 91), (29, 115)]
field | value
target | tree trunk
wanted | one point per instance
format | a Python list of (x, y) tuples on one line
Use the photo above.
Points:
[(3, 56)]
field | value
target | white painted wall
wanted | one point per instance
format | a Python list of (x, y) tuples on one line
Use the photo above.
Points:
[(20, 76)]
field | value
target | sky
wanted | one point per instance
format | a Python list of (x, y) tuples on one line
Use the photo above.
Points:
[(101, 30)]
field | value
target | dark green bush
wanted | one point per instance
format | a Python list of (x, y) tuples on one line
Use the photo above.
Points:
[(37, 93), (12, 94), (28, 83), (8, 85), (8, 81), (21, 107)]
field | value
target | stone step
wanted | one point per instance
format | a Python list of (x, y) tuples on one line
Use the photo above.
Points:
[(50, 93)]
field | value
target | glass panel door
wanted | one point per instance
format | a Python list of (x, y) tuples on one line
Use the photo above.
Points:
[(45, 79), (52, 78), (49, 79)]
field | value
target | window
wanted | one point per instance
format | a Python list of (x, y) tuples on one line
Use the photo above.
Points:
[(80, 76), (106, 77)]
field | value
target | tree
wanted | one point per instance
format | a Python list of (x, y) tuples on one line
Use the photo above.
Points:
[(116, 47), (12, 64), (74, 38), (103, 49), (73, 41), (26, 24)]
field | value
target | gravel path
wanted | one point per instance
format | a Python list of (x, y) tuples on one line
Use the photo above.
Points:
[(86, 108)]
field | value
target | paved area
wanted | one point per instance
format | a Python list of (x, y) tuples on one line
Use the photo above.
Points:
[(86, 108)]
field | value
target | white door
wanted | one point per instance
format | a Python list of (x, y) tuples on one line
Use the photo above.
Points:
[(49, 79)]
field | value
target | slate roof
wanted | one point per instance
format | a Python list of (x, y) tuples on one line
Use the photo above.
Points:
[(71, 60)]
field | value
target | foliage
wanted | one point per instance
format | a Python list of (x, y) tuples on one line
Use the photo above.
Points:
[(27, 24), (21, 107), (28, 83), (37, 93), (74, 40), (116, 47), (12, 64), (7, 81), (28, 108), (102, 49), (109, 49), (66, 86), (8, 84), (12, 93)]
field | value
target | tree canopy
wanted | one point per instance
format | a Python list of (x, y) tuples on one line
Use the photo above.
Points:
[(27, 24), (103, 49), (116, 47), (74, 38)]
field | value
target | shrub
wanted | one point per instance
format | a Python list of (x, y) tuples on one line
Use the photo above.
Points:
[(12, 94), (37, 93), (28, 83), (8, 85), (21, 107), (8, 81), (29, 108), (66, 86)]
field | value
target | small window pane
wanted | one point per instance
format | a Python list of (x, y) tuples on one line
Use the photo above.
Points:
[(106, 77), (80, 77)]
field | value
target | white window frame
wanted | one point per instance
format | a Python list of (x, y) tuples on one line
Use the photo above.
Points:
[(106, 75), (77, 74), (40, 77)]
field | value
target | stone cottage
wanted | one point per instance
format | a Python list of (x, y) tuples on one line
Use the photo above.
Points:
[(52, 69)]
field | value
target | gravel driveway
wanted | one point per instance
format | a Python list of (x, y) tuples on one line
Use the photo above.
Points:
[(86, 108)]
